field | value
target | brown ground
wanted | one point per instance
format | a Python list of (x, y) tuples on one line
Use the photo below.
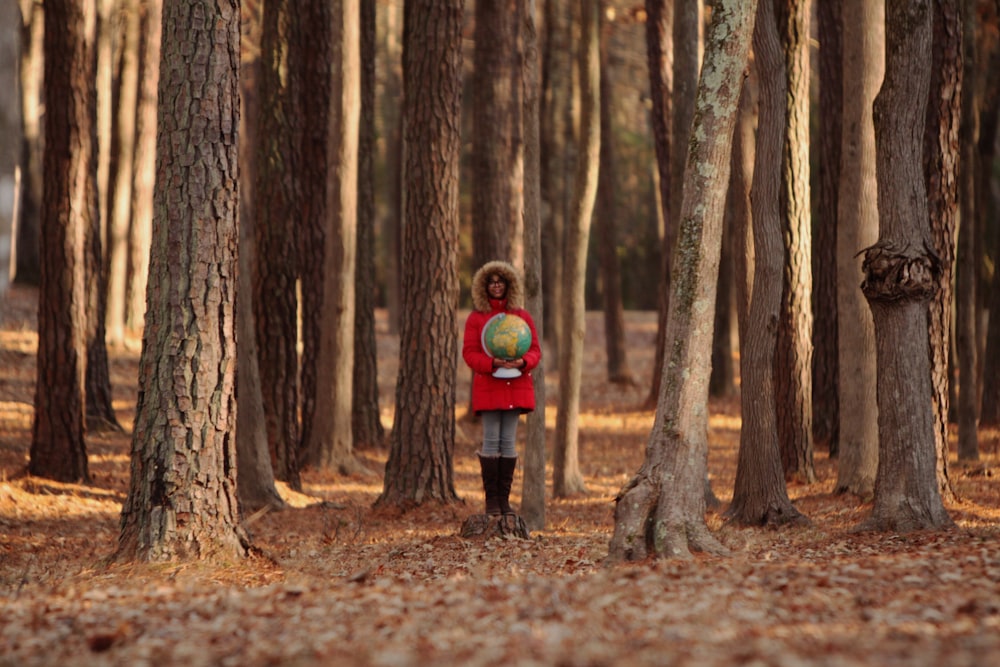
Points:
[(343, 584)]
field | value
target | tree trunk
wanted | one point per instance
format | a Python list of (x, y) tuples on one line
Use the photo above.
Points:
[(254, 471), (566, 476), (182, 496), (119, 216), (723, 380), (274, 293), (857, 228), (557, 79), (966, 303), (420, 466), (660, 56), (310, 54), (392, 229), (140, 234), (614, 312), (793, 355), (366, 423), (661, 511), (902, 274), (940, 161), (759, 494), (28, 211), (825, 405), (58, 450), (332, 444), (533, 486)]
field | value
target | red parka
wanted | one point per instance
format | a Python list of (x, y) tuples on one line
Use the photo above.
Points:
[(488, 392)]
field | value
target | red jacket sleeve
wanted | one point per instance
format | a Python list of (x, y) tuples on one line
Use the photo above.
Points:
[(472, 345)]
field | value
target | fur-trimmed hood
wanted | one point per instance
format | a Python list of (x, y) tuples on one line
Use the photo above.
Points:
[(515, 291)]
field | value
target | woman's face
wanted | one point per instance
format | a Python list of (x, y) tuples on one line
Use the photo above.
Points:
[(496, 287)]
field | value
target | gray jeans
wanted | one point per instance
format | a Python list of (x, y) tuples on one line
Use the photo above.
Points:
[(500, 432)]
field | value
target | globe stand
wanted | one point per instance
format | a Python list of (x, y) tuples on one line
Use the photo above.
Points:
[(507, 373)]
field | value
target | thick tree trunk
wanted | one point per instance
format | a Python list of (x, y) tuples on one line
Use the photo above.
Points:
[(759, 494), (566, 476), (902, 274), (420, 466), (857, 228), (182, 496), (661, 511), (70, 168)]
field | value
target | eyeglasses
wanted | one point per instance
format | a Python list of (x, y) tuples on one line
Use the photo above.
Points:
[(496, 282)]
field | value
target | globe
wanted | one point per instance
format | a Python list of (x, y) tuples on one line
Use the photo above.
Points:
[(506, 336)]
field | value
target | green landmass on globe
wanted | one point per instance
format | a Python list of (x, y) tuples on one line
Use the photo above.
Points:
[(506, 336)]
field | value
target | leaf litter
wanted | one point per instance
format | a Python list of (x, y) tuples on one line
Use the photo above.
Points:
[(336, 582)]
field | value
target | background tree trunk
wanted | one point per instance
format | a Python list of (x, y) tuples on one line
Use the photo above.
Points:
[(533, 487), (661, 511), (58, 450), (276, 268), (902, 273), (566, 476), (366, 423), (420, 466), (332, 442), (857, 228), (182, 495), (759, 493), (28, 210), (826, 407), (793, 354)]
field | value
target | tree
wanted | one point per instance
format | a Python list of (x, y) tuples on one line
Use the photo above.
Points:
[(825, 405), (366, 423), (607, 245), (276, 266), (566, 476), (902, 273), (660, 56), (58, 450), (857, 228), (182, 500), (332, 445), (533, 488), (759, 494), (420, 465), (793, 355), (940, 162), (254, 471), (661, 510), (27, 260)]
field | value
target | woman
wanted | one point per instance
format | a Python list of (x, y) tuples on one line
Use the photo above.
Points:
[(499, 401)]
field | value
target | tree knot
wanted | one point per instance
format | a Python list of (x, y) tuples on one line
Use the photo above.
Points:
[(897, 274)]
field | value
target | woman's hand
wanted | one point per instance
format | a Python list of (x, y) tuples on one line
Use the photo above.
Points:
[(508, 363)]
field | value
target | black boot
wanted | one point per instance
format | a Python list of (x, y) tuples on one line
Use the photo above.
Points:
[(505, 478), (489, 466)]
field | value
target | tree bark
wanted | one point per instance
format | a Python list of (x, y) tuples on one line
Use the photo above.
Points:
[(902, 274), (274, 294), (420, 466), (182, 501), (332, 444), (58, 450), (857, 228), (366, 423), (28, 211), (566, 476), (759, 494), (661, 511), (793, 354), (533, 487), (825, 405), (941, 156)]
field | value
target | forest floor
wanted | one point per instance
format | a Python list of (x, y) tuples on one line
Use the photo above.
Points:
[(340, 583)]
